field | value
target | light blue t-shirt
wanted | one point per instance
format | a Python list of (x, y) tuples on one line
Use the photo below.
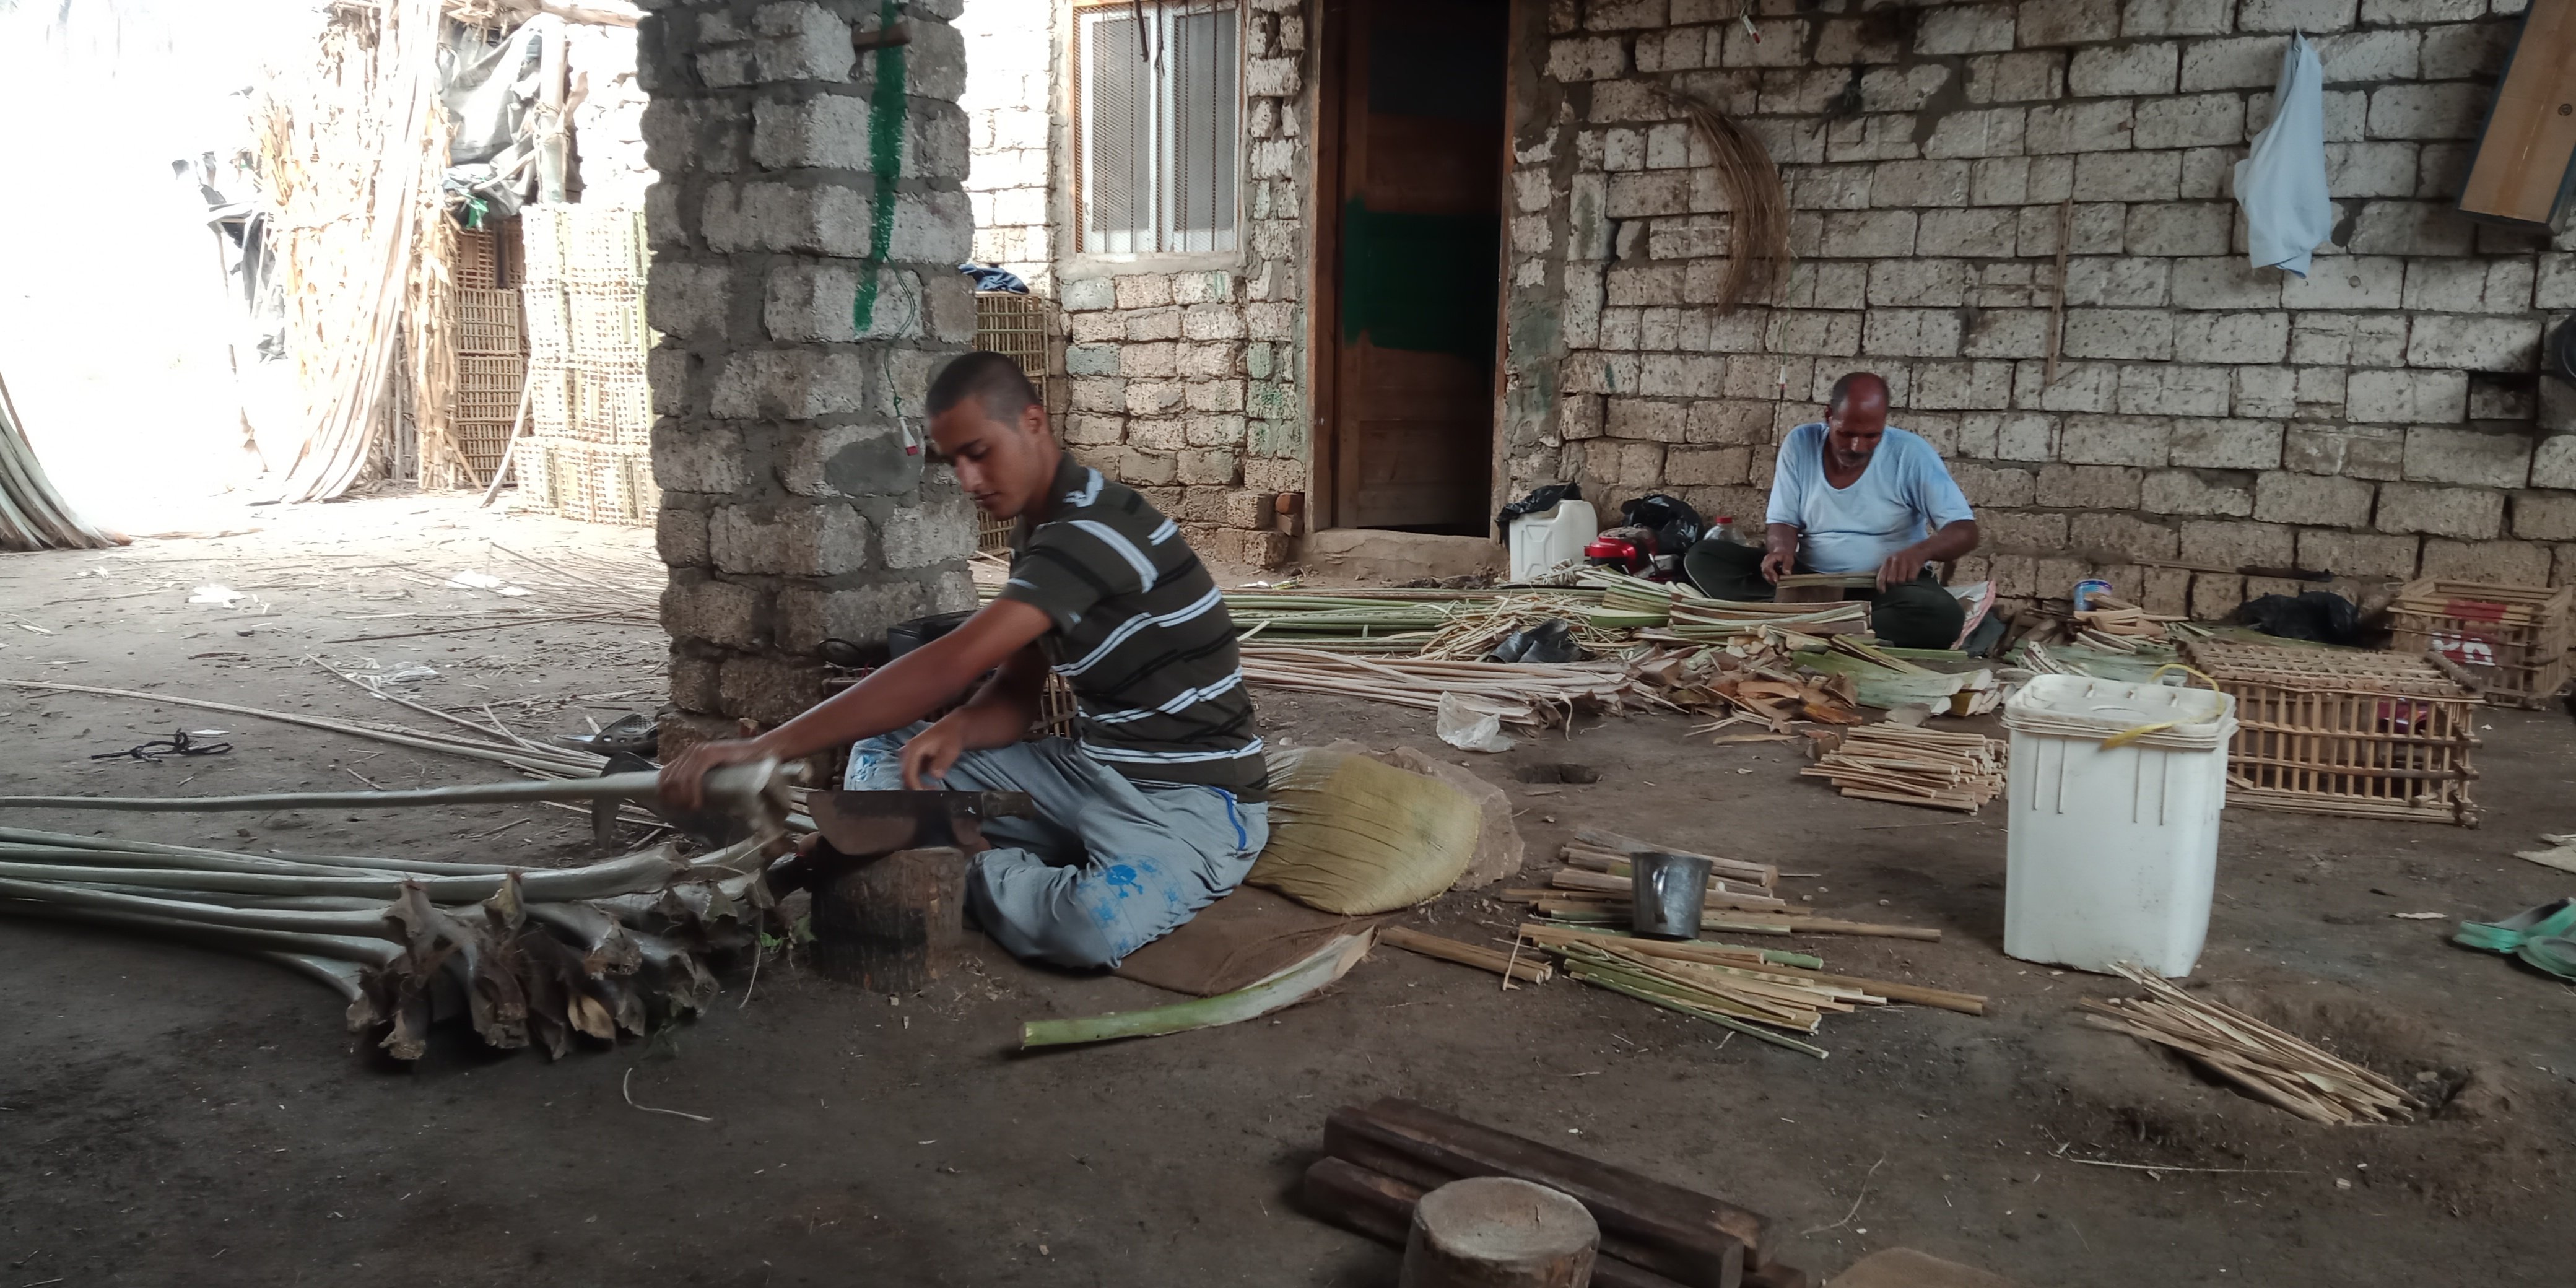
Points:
[(1900, 497)]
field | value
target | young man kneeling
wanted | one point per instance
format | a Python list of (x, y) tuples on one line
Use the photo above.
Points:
[(1158, 805)]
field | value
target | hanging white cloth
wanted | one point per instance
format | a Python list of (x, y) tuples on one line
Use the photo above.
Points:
[(2281, 183)]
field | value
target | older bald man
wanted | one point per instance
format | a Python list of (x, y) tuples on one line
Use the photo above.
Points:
[(1850, 494)]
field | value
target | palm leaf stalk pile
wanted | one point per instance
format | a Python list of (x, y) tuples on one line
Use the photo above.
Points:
[(527, 956)]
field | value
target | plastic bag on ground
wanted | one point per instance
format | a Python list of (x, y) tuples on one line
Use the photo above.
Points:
[(1467, 729)]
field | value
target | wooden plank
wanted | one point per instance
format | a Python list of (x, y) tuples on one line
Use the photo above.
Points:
[(1691, 1233)]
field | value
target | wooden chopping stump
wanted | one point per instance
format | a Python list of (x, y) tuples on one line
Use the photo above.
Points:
[(893, 924), (1498, 1232)]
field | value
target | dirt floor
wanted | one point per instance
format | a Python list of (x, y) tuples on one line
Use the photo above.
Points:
[(170, 1115)]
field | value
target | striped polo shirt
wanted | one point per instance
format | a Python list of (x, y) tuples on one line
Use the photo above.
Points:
[(1142, 636)]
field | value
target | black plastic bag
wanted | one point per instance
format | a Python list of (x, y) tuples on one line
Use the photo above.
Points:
[(1549, 641), (1677, 527), (2316, 615), (1538, 502)]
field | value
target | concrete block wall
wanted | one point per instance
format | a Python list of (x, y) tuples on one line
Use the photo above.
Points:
[(608, 123), (2381, 419), (805, 237), (1011, 130), (1185, 371)]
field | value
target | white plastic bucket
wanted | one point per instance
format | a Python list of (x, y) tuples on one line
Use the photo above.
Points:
[(1553, 536), (2112, 854)]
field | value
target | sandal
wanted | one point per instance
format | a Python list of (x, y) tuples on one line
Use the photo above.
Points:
[(2549, 920), (2553, 954)]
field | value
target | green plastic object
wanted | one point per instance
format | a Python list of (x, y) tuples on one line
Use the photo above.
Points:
[(2554, 954), (2553, 919)]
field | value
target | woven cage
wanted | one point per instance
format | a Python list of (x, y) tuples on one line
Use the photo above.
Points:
[(2510, 640), (550, 403), (1021, 327), (475, 265), (596, 483), (2341, 731), (548, 325), (541, 245), (487, 386), (603, 245), (606, 326), (1055, 709), (482, 441), (613, 408), (487, 321)]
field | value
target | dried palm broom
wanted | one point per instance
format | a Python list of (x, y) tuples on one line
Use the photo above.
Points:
[(1758, 262)]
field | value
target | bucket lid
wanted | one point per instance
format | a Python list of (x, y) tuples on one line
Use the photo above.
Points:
[(2086, 706)]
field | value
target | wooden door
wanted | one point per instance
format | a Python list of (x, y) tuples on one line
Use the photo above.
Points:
[(1419, 173)]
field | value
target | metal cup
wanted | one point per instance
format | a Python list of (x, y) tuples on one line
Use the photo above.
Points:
[(1669, 891)]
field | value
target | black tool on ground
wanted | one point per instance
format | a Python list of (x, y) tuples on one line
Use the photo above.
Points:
[(1549, 641), (1538, 502), (177, 744), (2317, 615), (631, 733)]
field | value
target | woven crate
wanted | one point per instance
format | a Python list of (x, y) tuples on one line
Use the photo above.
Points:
[(613, 408), (600, 484), (548, 324), (2511, 640), (603, 245), (2341, 731), (550, 400), (541, 253), (482, 442), (606, 325), (487, 322), (1015, 325), (487, 387), (994, 536), (475, 265)]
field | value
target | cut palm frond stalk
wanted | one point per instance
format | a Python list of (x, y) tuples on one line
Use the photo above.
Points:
[(530, 955), (1285, 988)]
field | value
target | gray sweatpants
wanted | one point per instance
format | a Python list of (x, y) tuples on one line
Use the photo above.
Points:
[(1108, 865)]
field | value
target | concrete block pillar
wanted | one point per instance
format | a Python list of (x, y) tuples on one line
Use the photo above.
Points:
[(806, 231)]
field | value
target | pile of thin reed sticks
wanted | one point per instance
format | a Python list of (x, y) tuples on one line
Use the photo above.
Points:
[(1941, 768), (1537, 695), (2272, 1066)]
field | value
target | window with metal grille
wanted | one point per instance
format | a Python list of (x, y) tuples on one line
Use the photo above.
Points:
[(1158, 120)]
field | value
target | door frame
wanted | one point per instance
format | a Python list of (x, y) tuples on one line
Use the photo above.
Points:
[(1330, 37)]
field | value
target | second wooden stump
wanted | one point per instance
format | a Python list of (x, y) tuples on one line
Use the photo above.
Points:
[(894, 924), (1498, 1232)]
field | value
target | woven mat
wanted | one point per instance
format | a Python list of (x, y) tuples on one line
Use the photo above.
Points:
[(1235, 941)]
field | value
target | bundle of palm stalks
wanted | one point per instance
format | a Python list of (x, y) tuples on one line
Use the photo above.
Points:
[(1753, 991), (1675, 612), (2117, 625), (2271, 1065), (1536, 695), (528, 956), (1914, 766)]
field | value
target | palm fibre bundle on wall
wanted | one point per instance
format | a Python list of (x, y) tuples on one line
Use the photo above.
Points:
[(1754, 194)]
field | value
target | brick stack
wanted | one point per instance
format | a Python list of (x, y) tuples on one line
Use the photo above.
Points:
[(799, 317), (2380, 420)]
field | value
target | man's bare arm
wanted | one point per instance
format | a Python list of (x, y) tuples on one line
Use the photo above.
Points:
[(1953, 540), (900, 692), (1779, 551)]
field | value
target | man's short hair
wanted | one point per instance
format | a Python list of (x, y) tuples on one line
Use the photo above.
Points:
[(991, 379), (1845, 387)]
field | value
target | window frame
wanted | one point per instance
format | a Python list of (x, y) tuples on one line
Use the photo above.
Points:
[(1162, 13)]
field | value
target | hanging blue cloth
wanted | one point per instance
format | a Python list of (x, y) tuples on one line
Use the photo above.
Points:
[(2282, 180)]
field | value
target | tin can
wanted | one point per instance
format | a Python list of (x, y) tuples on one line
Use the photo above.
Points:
[(2086, 589)]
